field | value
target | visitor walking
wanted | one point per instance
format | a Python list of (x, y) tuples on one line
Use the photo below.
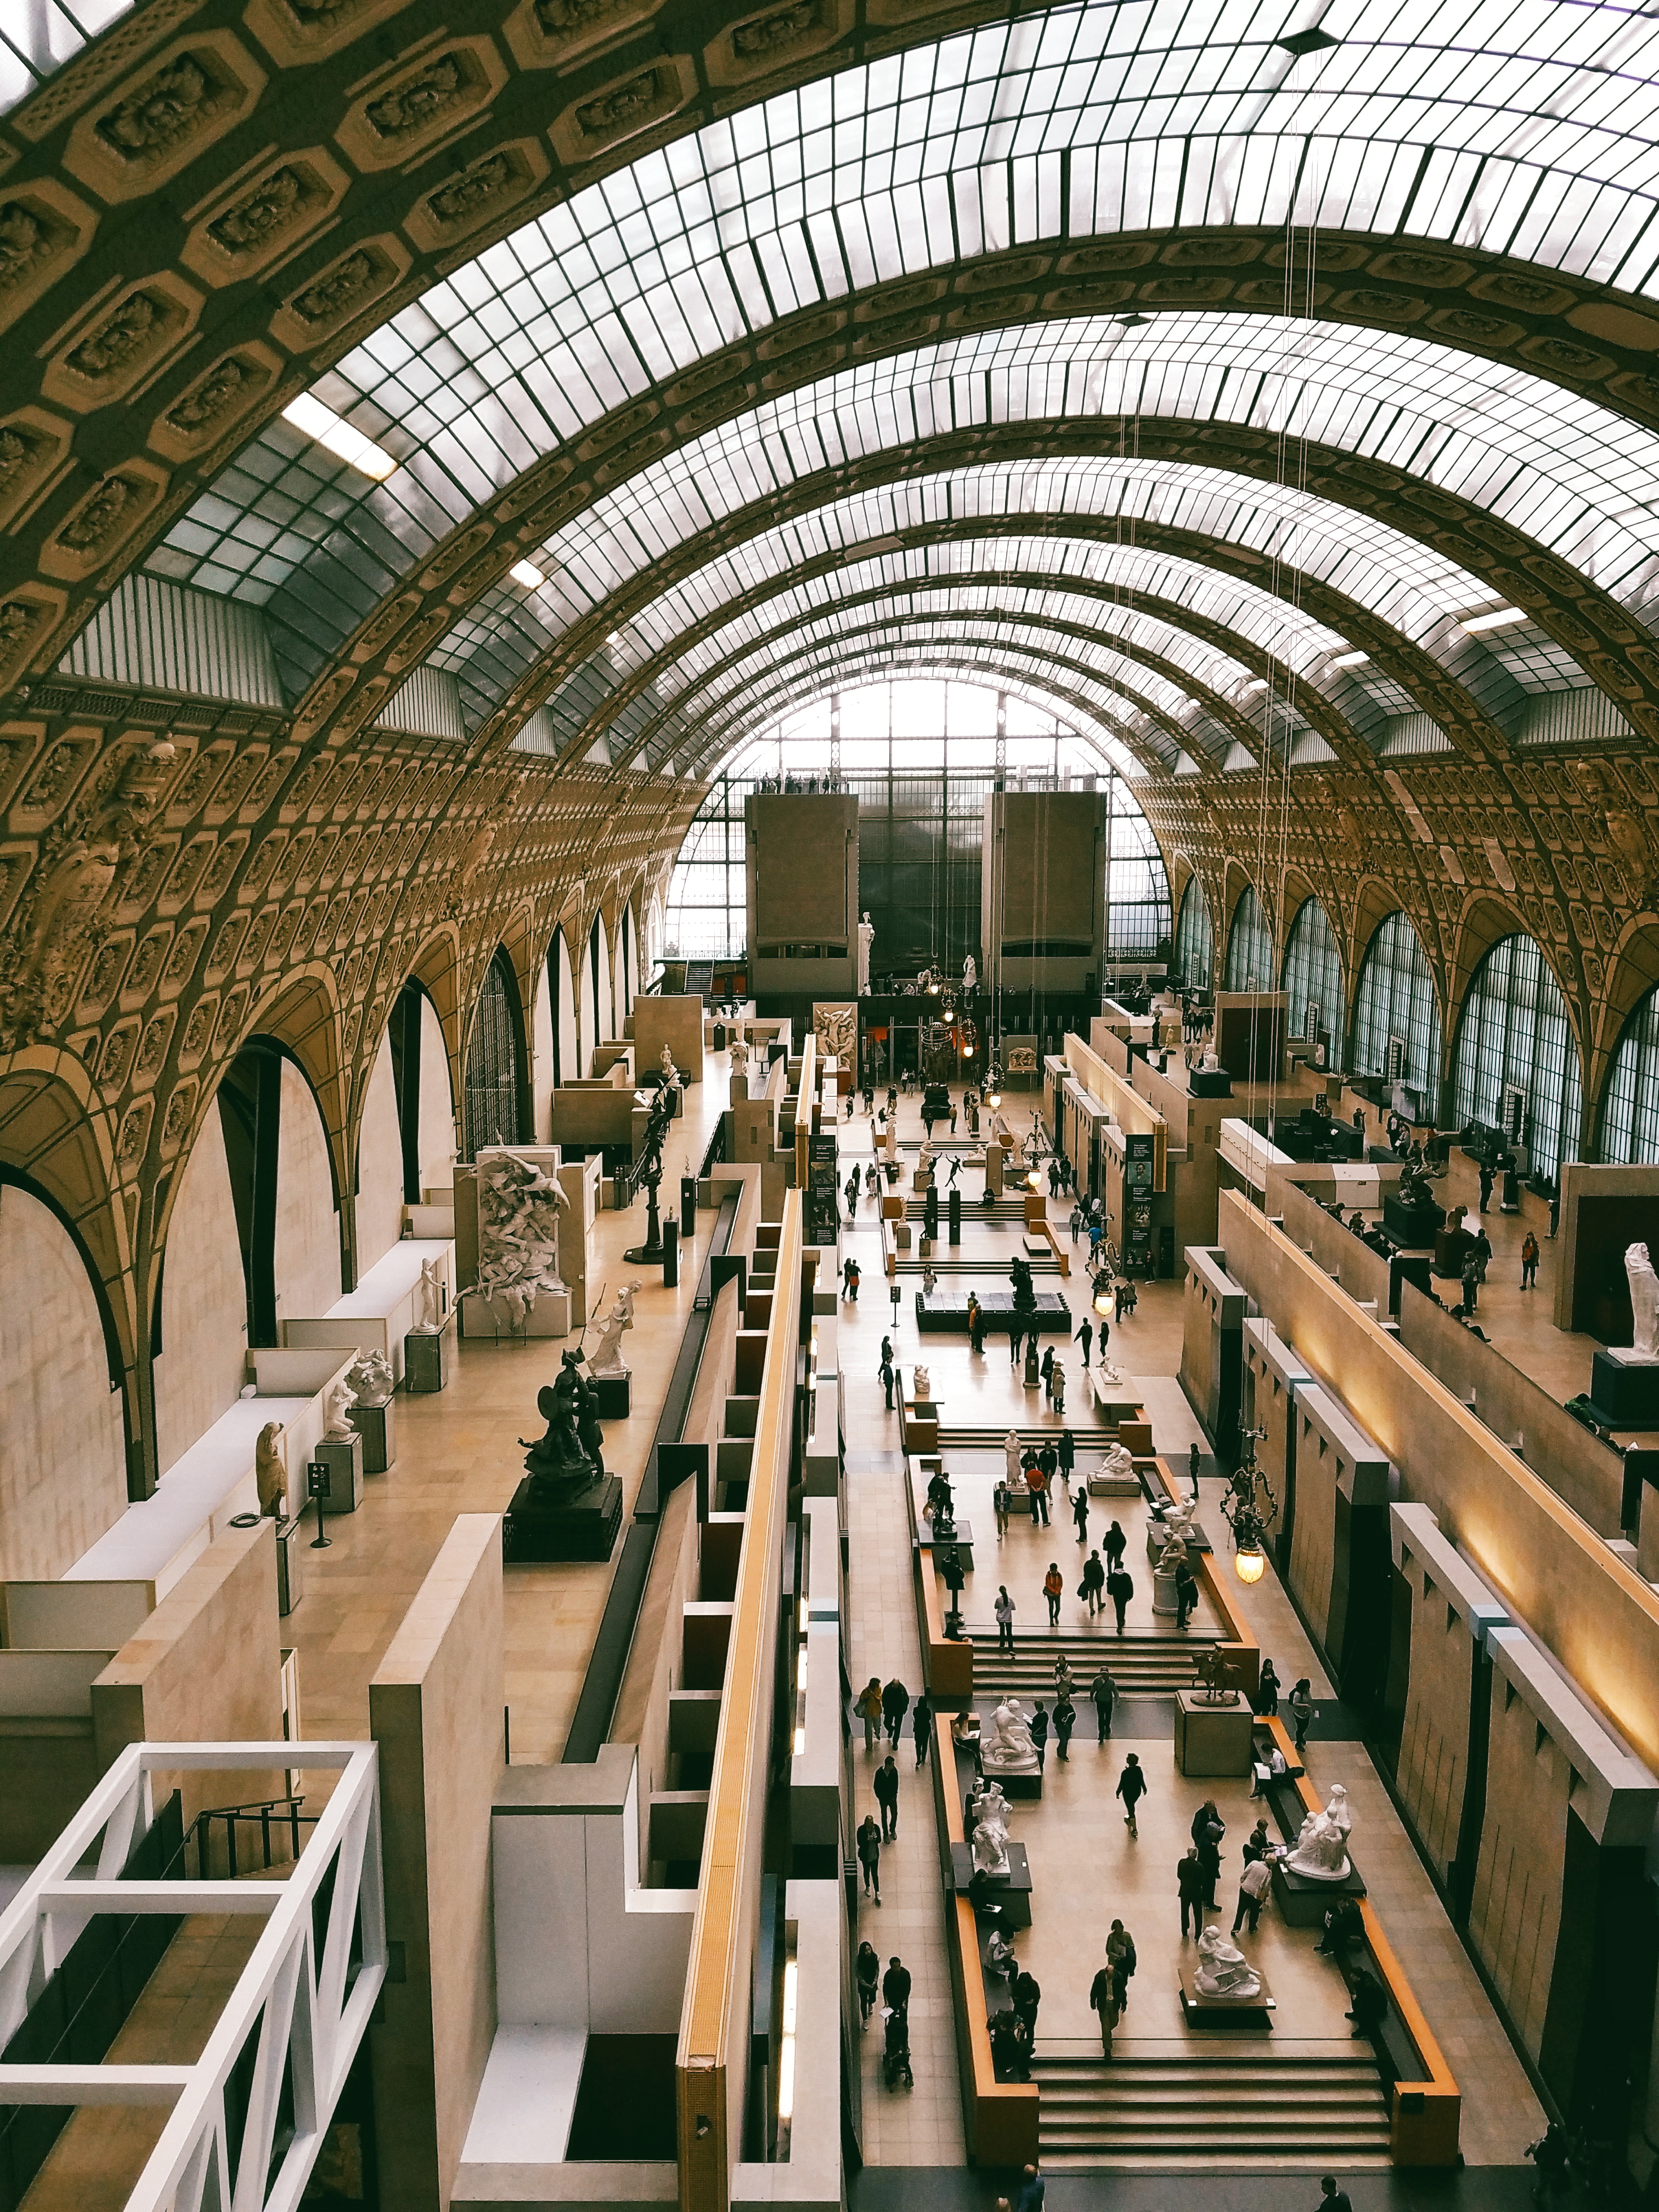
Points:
[(850, 1280), (1003, 1609), (1065, 1722), (868, 1709), (1194, 1460), (869, 1847), (1037, 1483), (1471, 1278), (1119, 1589), (896, 1987), (999, 1506), (1076, 1222), (1100, 2002), (922, 1727), (1266, 1700), (1047, 1370), (1253, 1887), (1053, 1588), (1080, 1515), (866, 1972), (1486, 1184), (1066, 1454), (1114, 1543), (1120, 1957), (1529, 1262), (1085, 1337), (1057, 1388), (1039, 1726), (886, 1789), (888, 1379), (1189, 1882), (895, 1704), (1091, 1590), (1185, 1594), (1104, 1691), (1131, 1788), (1300, 1706)]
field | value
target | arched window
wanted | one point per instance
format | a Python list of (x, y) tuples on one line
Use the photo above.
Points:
[(1249, 946), (1396, 1019), (1515, 1064), (598, 981), (1313, 974), (1630, 1104), (1195, 939), (496, 1061)]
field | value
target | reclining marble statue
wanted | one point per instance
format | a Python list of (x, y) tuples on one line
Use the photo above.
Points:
[(1223, 1969)]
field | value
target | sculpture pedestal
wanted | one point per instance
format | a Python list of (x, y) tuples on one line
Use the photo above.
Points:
[(374, 1423), (614, 1393), (426, 1358), (1211, 1739), (1163, 1594), (963, 1541), (1303, 1902), (1033, 1375), (538, 1533), (1626, 1388), (1010, 1892), (1202, 2010), (1415, 1226), (344, 1462), (492, 1318)]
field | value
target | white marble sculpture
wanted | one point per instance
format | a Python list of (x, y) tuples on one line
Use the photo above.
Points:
[(519, 1203), (1644, 1303), (1009, 1749), (269, 1472), (1115, 1476), (1016, 1479), (341, 1400), (889, 1143), (1338, 1812), (991, 1831), (370, 1376), (740, 1057), (969, 975), (866, 935), (670, 1073), (608, 1352), (1172, 1530), (432, 1290), (924, 1387), (1223, 1969), (1321, 1848)]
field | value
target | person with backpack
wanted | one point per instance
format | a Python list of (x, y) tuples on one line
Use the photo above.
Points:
[(1131, 1788), (867, 1707), (1091, 1590), (1053, 1588), (1120, 1957)]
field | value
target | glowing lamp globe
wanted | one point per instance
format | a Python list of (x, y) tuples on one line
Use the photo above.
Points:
[(1103, 1299), (1249, 1562)]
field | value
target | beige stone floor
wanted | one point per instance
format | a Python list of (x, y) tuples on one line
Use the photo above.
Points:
[(458, 1452), (1087, 1868)]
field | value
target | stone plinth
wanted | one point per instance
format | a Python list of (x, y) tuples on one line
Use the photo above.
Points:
[(1201, 2010), (1010, 1892), (372, 1420), (1626, 1388), (614, 1393), (492, 1318), (1211, 1739), (537, 1533), (344, 1462), (426, 1358)]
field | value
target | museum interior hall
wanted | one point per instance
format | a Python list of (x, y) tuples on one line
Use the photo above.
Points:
[(829, 1105)]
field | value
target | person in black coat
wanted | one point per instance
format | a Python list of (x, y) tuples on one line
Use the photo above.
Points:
[(1189, 1881), (1119, 1589), (886, 1787)]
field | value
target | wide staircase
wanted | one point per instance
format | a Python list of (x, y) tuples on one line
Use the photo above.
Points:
[(1271, 2106), (1142, 1665)]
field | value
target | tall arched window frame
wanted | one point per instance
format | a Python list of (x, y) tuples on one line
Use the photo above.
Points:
[(1313, 973), (1629, 1133), (496, 1061), (1396, 1016), (1249, 946), (1515, 1060), (1194, 938)]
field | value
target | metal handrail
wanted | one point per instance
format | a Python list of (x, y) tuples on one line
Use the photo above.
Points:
[(286, 1809)]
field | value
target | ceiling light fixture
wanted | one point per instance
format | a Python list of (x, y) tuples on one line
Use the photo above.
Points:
[(1350, 659), (338, 438), (1307, 42), (1131, 322), (1497, 619), (527, 573)]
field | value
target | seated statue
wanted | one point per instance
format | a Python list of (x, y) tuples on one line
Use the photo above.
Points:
[(924, 1387), (991, 1832), (341, 1400), (1115, 1474), (1321, 1849), (1009, 1749), (1223, 1969)]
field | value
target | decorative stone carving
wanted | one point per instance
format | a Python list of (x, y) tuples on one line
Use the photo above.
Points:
[(341, 1400), (990, 1845), (624, 104), (608, 1353), (268, 210), (474, 188), (370, 1376), (117, 341), (519, 1207), (336, 289), (1223, 1969), (172, 104), (773, 34), (1321, 1851), (99, 518), (23, 243), (1643, 1300), (924, 1387)]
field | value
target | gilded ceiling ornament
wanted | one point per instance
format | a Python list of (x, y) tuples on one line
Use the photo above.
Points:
[(332, 294), (97, 520), (166, 109), (23, 242), (205, 402), (114, 343), (418, 101), (269, 209), (600, 116), (486, 180), (563, 20), (775, 34)]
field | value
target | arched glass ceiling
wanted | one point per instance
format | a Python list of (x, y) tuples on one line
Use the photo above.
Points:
[(1528, 135)]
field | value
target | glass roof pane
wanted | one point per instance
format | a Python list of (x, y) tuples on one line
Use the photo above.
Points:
[(1527, 133)]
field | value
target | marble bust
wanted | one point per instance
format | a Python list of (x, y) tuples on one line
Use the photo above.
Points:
[(1644, 1303), (1223, 1969), (1008, 1749)]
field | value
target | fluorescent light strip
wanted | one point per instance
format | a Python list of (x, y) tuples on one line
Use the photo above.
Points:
[(1350, 659), (339, 438), (527, 573), (1256, 684), (1497, 619)]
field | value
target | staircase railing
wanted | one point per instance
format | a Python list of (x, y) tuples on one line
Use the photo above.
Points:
[(283, 1811)]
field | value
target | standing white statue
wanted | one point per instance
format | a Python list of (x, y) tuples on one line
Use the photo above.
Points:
[(1011, 1454), (608, 1353), (1321, 1848), (670, 1074), (867, 937), (1643, 1301), (432, 1283), (969, 975)]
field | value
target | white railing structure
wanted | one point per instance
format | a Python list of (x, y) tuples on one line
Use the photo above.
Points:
[(309, 2014)]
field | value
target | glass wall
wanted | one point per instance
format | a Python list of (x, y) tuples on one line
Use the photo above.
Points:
[(1249, 946), (920, 756), (1515, 1060), (1630, 1105), (1313, 974), (1195, 939), (1396, 1018)]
